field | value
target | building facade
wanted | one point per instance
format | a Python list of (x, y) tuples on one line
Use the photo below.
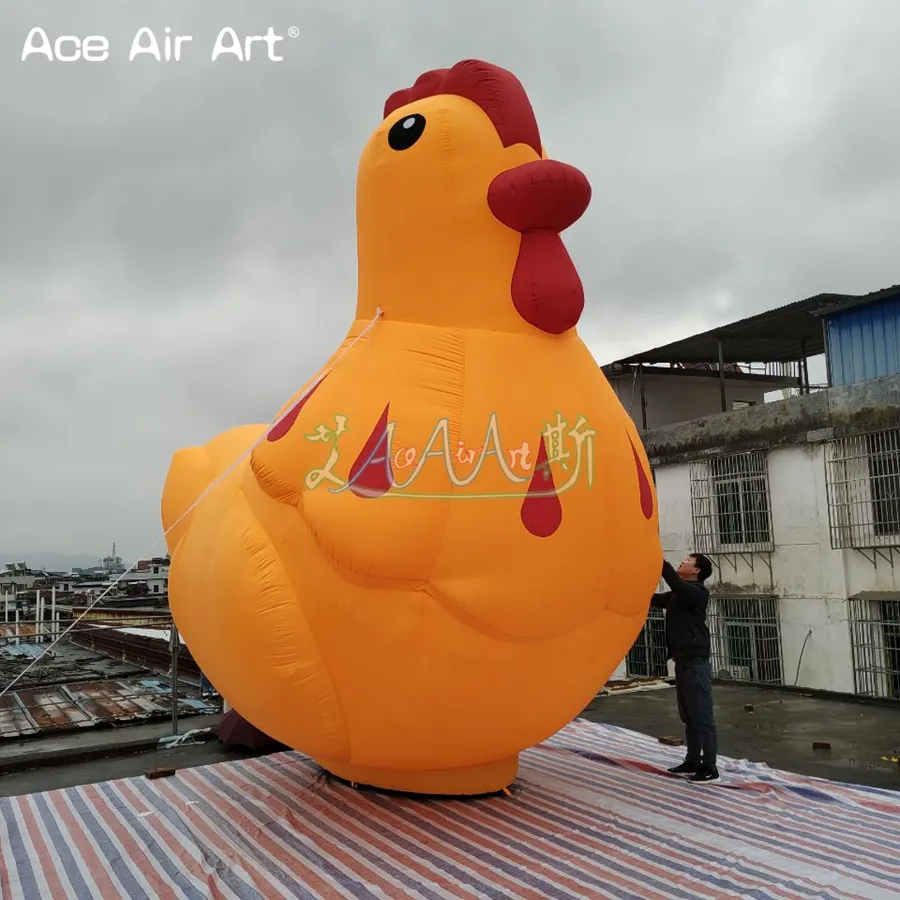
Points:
[(15, 577), (797, 502), (152, 572)]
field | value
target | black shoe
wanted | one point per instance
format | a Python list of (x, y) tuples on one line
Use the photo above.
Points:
[(685, 768), (705, 775)]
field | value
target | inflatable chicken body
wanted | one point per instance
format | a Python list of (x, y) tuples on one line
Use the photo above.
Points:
[(448, 540)]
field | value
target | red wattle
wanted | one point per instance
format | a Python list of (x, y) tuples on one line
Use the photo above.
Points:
[(546, 289), (539, 200)]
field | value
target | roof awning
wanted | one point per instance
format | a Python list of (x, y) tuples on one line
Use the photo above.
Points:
[(877, 596), (786, 334)]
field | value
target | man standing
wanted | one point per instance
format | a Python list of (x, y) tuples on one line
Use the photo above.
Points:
[(687, 637)]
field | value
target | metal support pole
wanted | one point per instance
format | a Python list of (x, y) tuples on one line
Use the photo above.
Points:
[(722, 377), (827, 354), (175, 645), (643, 397), (804, 369)]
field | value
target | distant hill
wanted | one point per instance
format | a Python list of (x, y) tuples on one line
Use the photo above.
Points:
[(54, 562)]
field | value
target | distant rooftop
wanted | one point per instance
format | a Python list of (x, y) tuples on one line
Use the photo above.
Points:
[(785, 334)]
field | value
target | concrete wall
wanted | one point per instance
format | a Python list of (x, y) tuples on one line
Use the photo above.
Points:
[(677, 397), (837, 412)]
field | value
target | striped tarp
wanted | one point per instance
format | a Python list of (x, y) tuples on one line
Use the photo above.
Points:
[(592, 816)]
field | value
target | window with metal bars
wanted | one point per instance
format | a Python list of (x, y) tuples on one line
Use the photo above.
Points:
[(875, 643), (862, 475), (648, 657), (884, 475), (746, 638), (730, 503)]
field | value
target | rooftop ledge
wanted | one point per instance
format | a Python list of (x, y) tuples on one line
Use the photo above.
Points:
[(865, 406)]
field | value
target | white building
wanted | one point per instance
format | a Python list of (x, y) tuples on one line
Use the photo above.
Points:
[(796, 501), (19, 577), (152, 572)]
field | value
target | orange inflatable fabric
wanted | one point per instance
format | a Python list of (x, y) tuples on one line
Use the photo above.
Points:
[(448, 539)]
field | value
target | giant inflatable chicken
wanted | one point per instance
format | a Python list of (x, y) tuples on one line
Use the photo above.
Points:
[(448, 539)]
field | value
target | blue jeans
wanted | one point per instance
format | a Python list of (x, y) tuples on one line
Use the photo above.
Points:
[(693, 688)]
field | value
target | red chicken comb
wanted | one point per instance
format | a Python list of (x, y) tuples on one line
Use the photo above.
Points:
[(498, 92)]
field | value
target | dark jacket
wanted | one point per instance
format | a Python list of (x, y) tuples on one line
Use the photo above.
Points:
[(687, 634)]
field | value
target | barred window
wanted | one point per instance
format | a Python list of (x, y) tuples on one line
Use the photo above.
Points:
[(730, 503), (746, 638), (862, 475), (884, 475), (875, 642)]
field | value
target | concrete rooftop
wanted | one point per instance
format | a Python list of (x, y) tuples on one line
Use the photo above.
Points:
[(780, 731)]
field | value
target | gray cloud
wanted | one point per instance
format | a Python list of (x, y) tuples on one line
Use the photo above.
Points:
[(177, 245)]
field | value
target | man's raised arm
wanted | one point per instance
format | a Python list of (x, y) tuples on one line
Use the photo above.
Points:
[(685, 591)]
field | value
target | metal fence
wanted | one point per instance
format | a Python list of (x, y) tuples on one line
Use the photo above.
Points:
[(773, 369), (875, 644), (788, 370), (55, 687), (746, 638), (730, 503), (862, 476)]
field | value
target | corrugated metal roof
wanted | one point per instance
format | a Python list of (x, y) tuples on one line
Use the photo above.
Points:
[(843, 303), (785, 334), (25, 630), (35, 651), (63, 707), (779, 335), (14, 722)]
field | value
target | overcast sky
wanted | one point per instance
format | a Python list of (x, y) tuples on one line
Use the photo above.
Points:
[(177, 245)]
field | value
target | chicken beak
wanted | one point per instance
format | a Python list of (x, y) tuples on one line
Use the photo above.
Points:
[(544, 195), (539, 200)]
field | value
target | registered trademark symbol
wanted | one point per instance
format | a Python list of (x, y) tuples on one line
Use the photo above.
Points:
[(293, 31)]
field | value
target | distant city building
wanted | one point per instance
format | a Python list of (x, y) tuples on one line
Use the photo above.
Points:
[(154, 573), (113, 564), (19, 577), (111, 577)]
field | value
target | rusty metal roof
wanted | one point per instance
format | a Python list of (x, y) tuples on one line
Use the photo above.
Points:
[(64, 707), (24, 630)]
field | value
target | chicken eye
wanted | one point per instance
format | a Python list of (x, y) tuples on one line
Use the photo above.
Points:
[(406, 131)]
